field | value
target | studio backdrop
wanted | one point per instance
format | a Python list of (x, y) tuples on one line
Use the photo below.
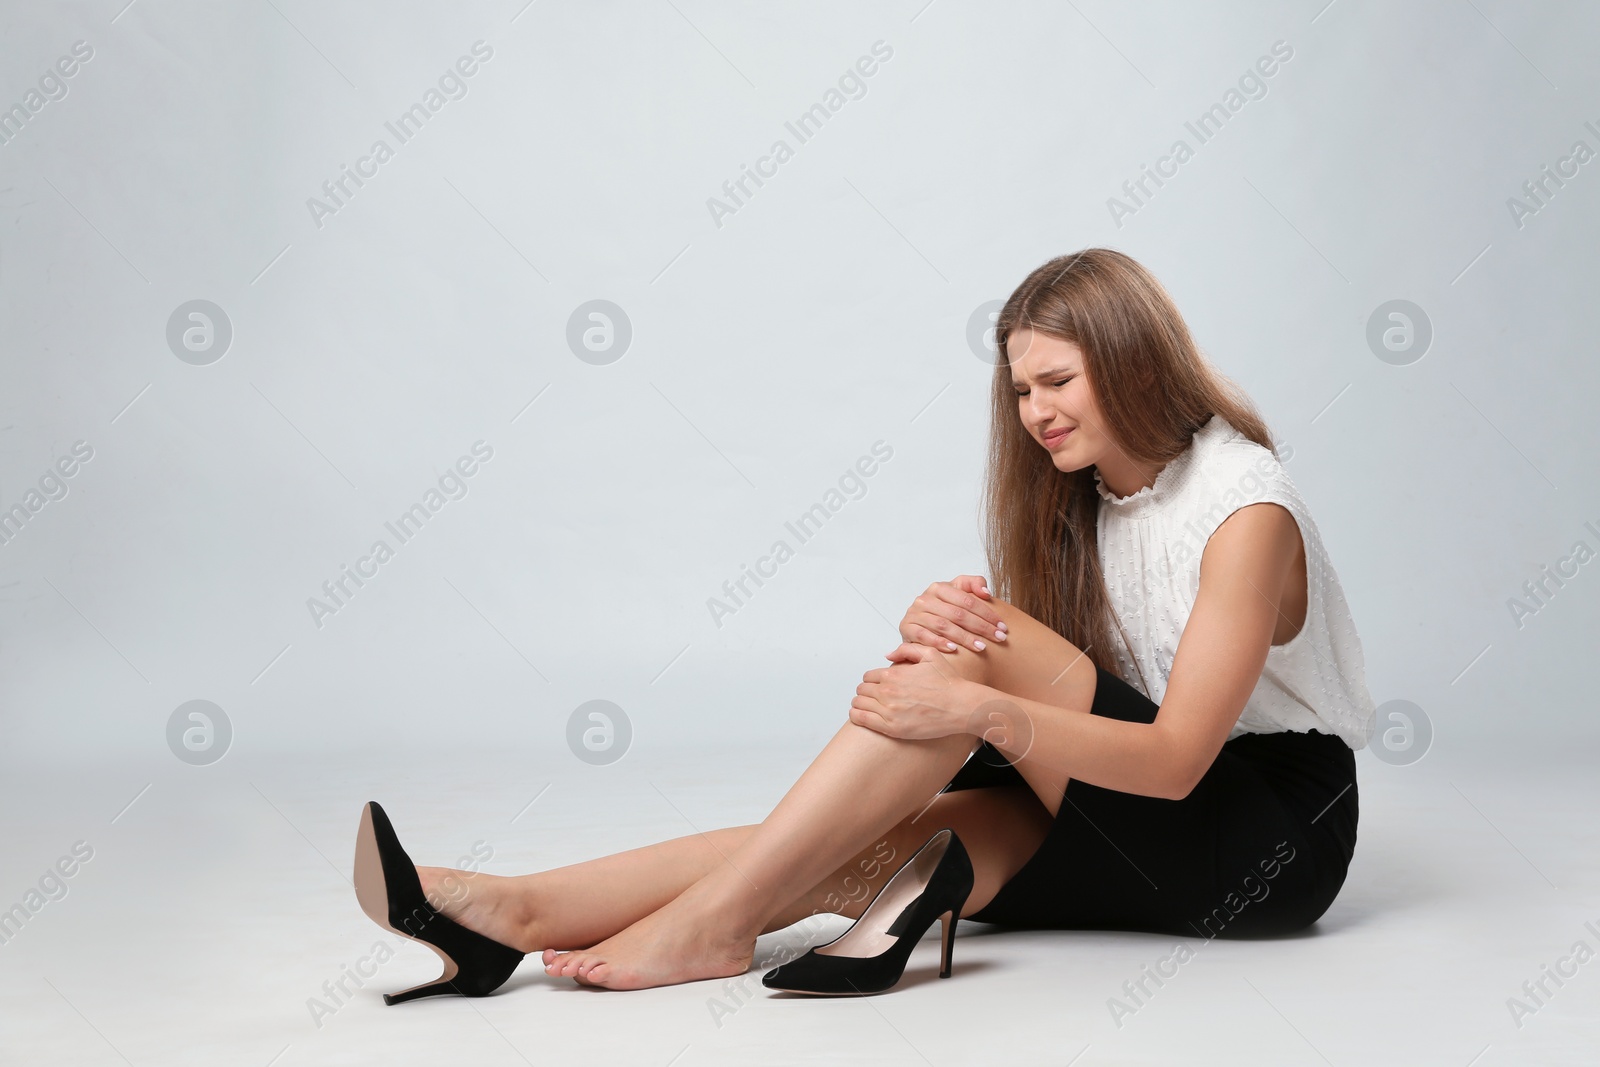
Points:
[(418, 375), (537, 416)]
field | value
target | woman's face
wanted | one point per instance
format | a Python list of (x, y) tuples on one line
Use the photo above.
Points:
[(1053, 396)]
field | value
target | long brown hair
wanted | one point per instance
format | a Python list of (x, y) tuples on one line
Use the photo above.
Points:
[(1155, 389)]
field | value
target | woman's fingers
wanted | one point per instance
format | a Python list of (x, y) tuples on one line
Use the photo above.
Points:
[(865, 712), (975, 584), (967, 603), (953, 624), (930, 639), (951, 615), (910, 652), (866, 719)]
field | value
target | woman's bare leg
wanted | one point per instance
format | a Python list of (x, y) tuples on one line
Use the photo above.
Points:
[(584, 903), (1002, 827), (589, 902), (862, 784)]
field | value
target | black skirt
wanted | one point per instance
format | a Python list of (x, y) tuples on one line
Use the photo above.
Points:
[(1259, 847)]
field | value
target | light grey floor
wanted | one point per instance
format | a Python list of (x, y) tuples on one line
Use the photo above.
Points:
[(218, 904)]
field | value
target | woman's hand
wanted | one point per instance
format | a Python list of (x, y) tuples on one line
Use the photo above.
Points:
[(951, 612), (916, 699)]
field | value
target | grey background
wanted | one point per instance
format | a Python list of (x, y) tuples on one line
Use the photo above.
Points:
[(768, 353)]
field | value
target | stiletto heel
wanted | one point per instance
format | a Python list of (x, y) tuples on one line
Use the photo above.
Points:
[(389, 891), (947, 932), (426, 989), (870, 957)]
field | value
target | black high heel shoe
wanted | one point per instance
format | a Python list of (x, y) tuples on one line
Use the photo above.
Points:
[(391, 894), (870, 957)]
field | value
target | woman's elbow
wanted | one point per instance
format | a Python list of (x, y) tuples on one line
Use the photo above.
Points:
[(1184, 770), (1179, 786)]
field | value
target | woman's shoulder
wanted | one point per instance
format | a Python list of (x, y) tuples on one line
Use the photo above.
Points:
[(1237, 471)]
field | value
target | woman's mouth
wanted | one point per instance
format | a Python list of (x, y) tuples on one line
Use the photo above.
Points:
[(1052, 438)]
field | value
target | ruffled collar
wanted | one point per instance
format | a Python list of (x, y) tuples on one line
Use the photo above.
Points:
[(1171, 478)]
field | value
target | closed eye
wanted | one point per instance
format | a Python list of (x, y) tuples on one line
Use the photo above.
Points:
[(1055, 385)]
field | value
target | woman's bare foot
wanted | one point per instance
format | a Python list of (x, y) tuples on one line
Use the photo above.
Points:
[(683, 941), (484, 903)]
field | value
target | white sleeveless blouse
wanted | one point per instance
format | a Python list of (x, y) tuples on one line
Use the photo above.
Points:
[(1150, 547)]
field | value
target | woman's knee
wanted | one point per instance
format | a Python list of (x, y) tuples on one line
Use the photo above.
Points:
[(1033, 662)]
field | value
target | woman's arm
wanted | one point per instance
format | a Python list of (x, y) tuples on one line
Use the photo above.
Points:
[(1224, 646)]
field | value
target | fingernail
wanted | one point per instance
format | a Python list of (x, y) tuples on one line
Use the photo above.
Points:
[(979, 645), (1002, 625), (951, 645), (999, 635)]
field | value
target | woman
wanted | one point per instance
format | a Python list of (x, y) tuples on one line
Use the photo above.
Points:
[(1152, 728)]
